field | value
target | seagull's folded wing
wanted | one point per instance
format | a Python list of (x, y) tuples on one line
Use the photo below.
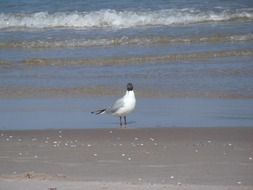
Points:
[(117, 105)]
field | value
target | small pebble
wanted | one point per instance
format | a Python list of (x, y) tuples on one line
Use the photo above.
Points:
[(250, 158), (110, 131), (95, 155), (136, 138), (209, 141), (239, 182), (123, 155), (129, 158), (172, 177), (196, 150), (155, 144), (20, 154), (89, 145), (151, 139), (36, 156)]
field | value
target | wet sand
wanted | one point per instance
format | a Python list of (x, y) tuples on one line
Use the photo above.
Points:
[(158, 158)]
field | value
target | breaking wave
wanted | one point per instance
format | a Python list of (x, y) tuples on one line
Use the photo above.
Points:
[(119, 19), (148, 40)]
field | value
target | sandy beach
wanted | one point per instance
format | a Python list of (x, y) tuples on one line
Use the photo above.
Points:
[(158, 158)]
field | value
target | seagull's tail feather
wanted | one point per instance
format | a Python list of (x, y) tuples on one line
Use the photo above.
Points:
[(97, 112)]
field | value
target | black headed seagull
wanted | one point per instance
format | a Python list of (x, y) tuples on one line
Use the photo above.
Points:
[(122, 106)]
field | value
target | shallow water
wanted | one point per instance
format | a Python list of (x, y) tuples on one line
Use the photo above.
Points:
[(194, 54), (151, 113)]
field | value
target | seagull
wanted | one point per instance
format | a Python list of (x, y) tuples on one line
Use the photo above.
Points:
[(122, 106)]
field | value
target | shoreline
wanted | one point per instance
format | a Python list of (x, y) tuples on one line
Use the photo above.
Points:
[(113, 158)]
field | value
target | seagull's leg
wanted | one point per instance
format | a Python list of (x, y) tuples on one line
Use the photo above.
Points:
[(125, 120), (120, 121)]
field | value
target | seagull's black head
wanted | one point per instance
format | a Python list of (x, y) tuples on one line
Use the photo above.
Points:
[(130, 87)]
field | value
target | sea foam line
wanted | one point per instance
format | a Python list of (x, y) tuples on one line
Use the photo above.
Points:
[(124, 40), (119, 19), (142, 59)]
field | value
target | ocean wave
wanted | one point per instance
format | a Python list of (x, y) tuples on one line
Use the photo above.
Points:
[(149, 40), (141, 59), (118, 19)]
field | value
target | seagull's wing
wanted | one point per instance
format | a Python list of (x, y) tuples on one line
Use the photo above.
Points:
[(117, 105)]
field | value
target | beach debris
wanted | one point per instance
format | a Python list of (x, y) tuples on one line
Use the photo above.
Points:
[(7, 139), (73, 145), (172, 177), (10, 137), (155, 144), (239, 182), (129, 158), (120, 144), (196, 150), (250, 158), (123, 155), (28, 175), (152, 139), (136, 138), (34, 139), (36, 156), (95, 155), (89, 145), (46, 142), (20, 153), (209, 141), (2, 134), (229, 144), (110, 132), (60, 136), (139, 179), (60, 131), (52, 188), (19, 140), (179, 183)]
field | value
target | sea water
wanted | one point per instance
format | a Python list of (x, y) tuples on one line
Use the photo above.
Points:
[(191, 62)]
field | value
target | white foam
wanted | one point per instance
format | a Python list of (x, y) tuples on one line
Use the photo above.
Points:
[(118, 19)]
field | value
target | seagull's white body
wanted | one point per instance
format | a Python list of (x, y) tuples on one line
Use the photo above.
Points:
[(124, 105)]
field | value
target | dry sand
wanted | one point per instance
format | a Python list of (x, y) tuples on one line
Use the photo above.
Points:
[(183, 158)]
